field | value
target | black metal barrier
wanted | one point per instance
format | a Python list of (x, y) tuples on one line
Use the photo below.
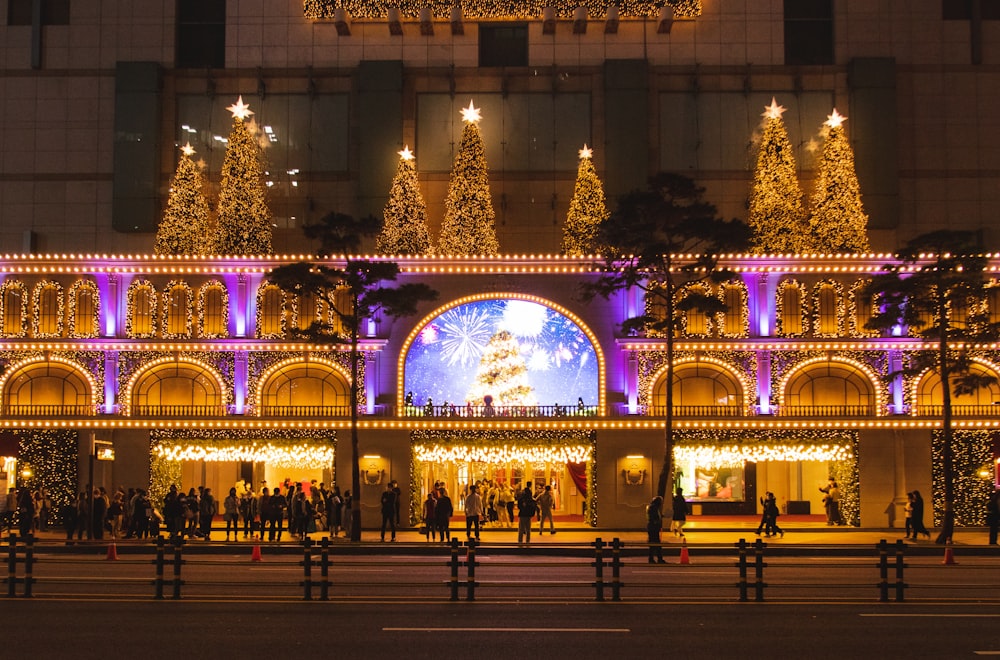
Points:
[(508, 570)]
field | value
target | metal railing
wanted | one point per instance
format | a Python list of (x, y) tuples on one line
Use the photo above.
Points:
[(744, 571), (958, 411)]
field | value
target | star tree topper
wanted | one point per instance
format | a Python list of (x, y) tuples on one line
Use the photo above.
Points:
[(406, 154), (187, 150), (586, 152), (471, 115), (773, 111), (240, 109), (836, 119)]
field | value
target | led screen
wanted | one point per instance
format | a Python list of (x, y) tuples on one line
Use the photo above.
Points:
[(502, 352)]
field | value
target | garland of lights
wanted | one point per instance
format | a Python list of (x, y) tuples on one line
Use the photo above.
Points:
[(855, 298), (779, 309), (287, 448), (680, 294), (263, 292), (39, 299), (174, 289), (203, 292), (497, 447), (134, 365), (140, 287), (77, 291), (21, 364), (844, 358), (488, 9), (652, 365), (48, 458), (262, 365), (744, 307), (974, 470), (914, 384), (655, 380), (819, 290), (838, 448), (313, 359), (10, 289)]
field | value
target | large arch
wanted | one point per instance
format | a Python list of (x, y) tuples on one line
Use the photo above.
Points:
[(561, 357), (927, 398), (172, 386), (53, 385), (831, 386), (297, 386), (702, 386)]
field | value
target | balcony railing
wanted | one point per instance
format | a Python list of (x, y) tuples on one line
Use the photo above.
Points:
[(499, 411), (826, 411), (958, 411), (178, 411), (51, 410), (695, 411), (305, 411)]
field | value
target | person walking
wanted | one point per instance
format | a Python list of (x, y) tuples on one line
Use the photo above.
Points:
[(993, 515), (918, 516), (546, 502), (278, 507), (679, 515), (428, 517), (526, 510), (831, 502), (389, 511), (473, 511), (771, 516), (443, 511), (908, 514), (654, 524)]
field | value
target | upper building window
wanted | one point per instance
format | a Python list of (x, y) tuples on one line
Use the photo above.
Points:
[(962, 9), (54, 12), (503, 45), (201, 34), (808, 31)]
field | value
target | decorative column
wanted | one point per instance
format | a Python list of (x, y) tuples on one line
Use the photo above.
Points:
[(632, 383), (371, 384), (111, 305), (764, 382), (898, 404), (240, 308), (110, 382), (240, 382)]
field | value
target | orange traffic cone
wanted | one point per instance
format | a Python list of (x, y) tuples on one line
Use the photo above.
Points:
[(255, 555), (112, 553), (949, 557), (685, 559)]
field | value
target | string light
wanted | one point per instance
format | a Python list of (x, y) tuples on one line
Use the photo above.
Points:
[(714, 456), (140, 319), (501, 455), (46, 317), (177, 293), (489, 9), (299, 456), (13, 311), (81, 289)]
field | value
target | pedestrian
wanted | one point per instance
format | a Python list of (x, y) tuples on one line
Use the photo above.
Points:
[(248, 513), (388, 505), (429, 517), (679, 515), (993, 515), (26, 513), (546, 502), (266, 513), (654, 523), (68, 514), (347, 515), (908, 514), (231, 513), (100, 515), (115, 514), (771, 516), (334, 512), (278, 507), (207, 509), (173, 512), (442, 515), (918, 516), (831, 502), (526, 509), (473, 511), (399, 500)]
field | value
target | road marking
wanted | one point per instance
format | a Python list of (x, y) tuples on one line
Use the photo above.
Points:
[(986, 652), (936, 616), (504, 630)]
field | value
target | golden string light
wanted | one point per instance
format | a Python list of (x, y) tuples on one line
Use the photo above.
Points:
[(500, 455), (713, 456), (305, 456)]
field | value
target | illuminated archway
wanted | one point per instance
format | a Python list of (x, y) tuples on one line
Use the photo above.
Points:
[(36, 383), (183, 386), (927, 396), (702, 384), (540, 346), (318, 385), (834, 385)]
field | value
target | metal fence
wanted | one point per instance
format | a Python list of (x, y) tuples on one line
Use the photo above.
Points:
[(599, 570)]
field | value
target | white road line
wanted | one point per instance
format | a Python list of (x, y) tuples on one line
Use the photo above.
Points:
[(935, 616), (545, 630), (986, 652)]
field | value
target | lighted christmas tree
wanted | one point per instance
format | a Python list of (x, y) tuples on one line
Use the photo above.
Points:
[(587, 209), (502, 374), (468, 225), (404, 230), (776, 215), (184, 228), (838, 221), (244, 220)]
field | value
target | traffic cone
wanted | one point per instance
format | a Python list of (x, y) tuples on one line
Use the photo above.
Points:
[(685, 559), (112, 552), (255, 555), (949, 557)]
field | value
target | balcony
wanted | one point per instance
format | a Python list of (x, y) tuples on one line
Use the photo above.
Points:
[(50, 411), (991, 410), (826, 411), (505, 412), (178, 412)]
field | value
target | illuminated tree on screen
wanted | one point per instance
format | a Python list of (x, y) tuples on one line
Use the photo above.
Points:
[(404, 230), (184, 228), (838, 222), (587, 209), (469, 220), (502, 374), (244, 220), (776, 215)]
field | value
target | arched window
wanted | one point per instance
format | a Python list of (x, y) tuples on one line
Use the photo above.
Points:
[(141, 321), (700, 388), (307, 311), (791, 308), (84, 309), (829, 388), (695, 322), (345, 304), (48, 306), (13, 308), (308, 388), (982, 401), (958, 312), (735, 321), (177, 388), (829, 308), (47, 388), (270, 312), (993, 301), (177, 299), (213, 310), (862, 309)]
